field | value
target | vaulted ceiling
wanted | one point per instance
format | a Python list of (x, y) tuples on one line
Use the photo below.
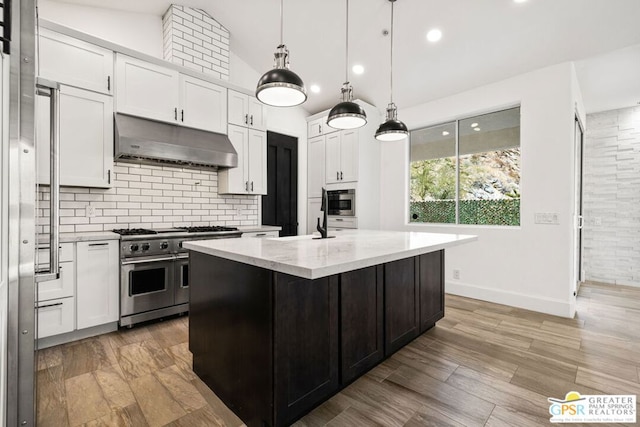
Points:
[(483, 41)]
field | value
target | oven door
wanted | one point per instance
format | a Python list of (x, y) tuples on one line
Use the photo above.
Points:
[(182, 279), (146, 284)]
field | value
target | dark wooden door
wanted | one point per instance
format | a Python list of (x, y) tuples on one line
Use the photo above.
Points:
[(402, 311), (305, 344), (280, 205), (431, 289), (361, 321)]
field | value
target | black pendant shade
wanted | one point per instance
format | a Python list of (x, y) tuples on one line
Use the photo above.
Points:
[(392, 129), (280, 86), (347, 114)]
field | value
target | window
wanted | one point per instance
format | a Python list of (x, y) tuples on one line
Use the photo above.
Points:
[(467, 171)]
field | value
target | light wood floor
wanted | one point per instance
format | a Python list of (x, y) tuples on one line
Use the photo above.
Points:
[(483, 364)]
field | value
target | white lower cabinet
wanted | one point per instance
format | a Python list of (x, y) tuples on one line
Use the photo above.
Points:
[(97, 274), (56, 316), (59, 288)]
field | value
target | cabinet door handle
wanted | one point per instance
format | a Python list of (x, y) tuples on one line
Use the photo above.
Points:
[(251, 185), (339, 219), (246, 186), (261, 234), (182, 115), (337, 176), (99, 244), (175, 113), (246, 119), (109, 83), (109, 176), (341, 176), (320, 129), (49, 305), (252, 120)]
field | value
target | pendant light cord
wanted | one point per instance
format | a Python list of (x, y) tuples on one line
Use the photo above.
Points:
[(281, 22), (346, 55), (391, 78)]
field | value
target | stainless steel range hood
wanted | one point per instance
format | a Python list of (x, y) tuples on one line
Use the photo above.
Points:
[(147, 141)]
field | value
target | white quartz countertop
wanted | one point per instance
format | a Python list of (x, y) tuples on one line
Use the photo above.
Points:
[(258, 228), (81, 237), (309, 258)]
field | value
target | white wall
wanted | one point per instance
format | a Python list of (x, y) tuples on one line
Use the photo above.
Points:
[(530, 266), (143, 32), (138, 31)]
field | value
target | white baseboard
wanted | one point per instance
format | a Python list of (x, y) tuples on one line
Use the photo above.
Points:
[(552, 306)]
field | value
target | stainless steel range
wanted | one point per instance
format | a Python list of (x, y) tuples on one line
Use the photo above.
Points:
[(154, 273)]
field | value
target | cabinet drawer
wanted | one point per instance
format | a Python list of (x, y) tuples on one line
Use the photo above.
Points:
[(262, 234), (346, 222), (60, 288), (65, 254), (56, 317)]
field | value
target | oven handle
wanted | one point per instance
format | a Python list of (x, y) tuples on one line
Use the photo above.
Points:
[(182, 256), (147, 260)]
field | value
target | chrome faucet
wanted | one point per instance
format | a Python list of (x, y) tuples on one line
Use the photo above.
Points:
[(324, 208)]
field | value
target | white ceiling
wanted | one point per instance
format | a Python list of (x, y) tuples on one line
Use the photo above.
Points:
[(483, 42)]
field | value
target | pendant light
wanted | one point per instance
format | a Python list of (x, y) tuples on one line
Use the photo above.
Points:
[(280, 86), (347, 114), (392, 129)]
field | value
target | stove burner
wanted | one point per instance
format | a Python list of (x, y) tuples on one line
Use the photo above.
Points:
[(133, 231), (207, 228)]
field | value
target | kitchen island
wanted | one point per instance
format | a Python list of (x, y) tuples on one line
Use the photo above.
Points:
[(277, 326)]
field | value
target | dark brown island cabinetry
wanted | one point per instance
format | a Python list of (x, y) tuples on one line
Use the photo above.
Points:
[(274, 346)]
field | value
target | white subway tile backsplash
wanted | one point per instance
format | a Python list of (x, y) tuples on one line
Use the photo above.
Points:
[(162, 205)]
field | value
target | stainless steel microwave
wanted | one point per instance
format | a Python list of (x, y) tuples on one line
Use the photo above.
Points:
[(342, 202)]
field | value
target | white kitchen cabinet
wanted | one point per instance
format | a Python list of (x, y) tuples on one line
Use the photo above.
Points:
[(56, 316), (316, 166), (74, 62), (97, 283), (247, 111), (60, 288), (146, 90), (337, 223), (203, 105), (86, 138), (261, 234), (313, 213), (250, 177), (341, 157), (319, 127)]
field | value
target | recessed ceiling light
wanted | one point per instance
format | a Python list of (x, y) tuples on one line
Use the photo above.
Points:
[(519, 1), (434, 35), (357, 69), (476, 129), (474, 125), (315, 88), (445, 133)]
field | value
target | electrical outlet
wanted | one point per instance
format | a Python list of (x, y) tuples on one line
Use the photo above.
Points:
[(90, 211), (597, 221), (456, 274), (547, 218)]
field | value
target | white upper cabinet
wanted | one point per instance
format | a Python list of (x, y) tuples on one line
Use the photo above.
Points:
[(342, 156), (247, 111), (98, 283), (146, 90), (74, 62), (315, 167), (250, 177), (203, 105), (159, 93), (319, 127), (86, 138)]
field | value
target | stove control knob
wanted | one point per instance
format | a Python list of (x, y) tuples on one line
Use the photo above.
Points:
[(133, 248), (180, 244), (164, 245), (145, 246)]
